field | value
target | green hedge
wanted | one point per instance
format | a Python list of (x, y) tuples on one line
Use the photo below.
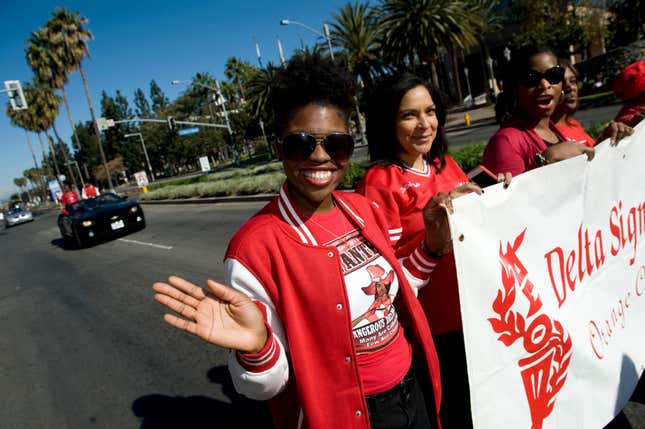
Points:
[(267, 178)]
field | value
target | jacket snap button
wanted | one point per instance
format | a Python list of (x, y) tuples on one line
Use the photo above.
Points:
[(358, 413), (348, 359), (330, 254), (339, 306)]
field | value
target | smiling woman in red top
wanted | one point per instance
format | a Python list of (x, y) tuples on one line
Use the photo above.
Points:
[(320, 315)]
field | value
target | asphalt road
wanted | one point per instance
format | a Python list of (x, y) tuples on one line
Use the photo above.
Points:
[(478, 134), (83, 344)]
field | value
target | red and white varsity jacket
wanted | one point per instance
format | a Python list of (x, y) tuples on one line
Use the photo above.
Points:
[(403, 193), (307, 369)]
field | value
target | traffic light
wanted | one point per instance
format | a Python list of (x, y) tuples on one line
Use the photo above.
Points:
[(171, 123), (16, 96)]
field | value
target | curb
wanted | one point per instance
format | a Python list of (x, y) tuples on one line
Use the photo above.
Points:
[(475, 124), (214, 200)]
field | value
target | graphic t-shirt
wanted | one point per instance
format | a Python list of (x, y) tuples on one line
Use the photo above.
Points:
[(383, 353)]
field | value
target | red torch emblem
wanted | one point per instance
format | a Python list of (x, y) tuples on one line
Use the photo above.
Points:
[(547, 344)]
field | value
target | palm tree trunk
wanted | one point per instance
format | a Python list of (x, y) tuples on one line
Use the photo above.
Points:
[(31, 148), (52, 153), (62, 149), (484, 56), (455, 71), (96, 127), (435, 76), (33, 155), (42, 146), (69, 116)]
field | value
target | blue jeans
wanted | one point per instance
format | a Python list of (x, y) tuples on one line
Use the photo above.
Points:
[(402, 407)]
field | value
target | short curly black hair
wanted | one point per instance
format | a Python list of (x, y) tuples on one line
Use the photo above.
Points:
[(310, 79)]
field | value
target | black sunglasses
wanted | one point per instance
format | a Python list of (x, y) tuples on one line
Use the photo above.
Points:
[(300, 146), (532, 78)]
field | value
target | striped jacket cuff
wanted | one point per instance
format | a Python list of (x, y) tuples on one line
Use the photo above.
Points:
[(419, 264), (264, 359)]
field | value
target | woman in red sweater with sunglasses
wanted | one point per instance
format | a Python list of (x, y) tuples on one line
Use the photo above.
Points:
[(527, 138)]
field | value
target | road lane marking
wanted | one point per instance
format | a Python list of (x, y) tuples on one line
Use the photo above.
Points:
[(143, 243)]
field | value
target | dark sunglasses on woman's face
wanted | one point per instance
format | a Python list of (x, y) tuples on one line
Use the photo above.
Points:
[(300, 146), (532, 78)]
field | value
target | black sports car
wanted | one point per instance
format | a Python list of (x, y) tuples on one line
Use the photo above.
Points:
[(107, 215)]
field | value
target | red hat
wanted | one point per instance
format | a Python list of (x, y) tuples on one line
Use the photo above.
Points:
[(630, 82)]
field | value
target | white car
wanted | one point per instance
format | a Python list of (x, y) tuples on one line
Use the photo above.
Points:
[(17, 216)]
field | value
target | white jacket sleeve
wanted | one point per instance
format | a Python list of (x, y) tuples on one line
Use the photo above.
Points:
[(260, 376)]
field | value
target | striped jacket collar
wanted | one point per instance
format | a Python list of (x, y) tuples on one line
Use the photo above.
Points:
[(292, 216)]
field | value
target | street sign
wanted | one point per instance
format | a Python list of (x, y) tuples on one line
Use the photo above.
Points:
[(186, 131), (203, 162), (54, 189), (142, 179), (102, 124)]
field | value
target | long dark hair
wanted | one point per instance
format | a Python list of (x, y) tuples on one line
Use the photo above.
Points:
[(506, 105), (382, 109)]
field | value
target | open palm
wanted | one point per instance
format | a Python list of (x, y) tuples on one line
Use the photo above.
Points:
[(221, 315)]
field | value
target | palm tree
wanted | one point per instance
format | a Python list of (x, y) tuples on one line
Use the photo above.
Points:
[(45, 55), (355, 30), (490, 19), (35, 176), (19, 118), (50, 103), (414, 30), (21, 182), (235, 69), (41, 113), (74, 37), (27, 120), (260, 87)]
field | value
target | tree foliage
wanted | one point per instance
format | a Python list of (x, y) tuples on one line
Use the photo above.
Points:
[(627, 23), (549, 23)]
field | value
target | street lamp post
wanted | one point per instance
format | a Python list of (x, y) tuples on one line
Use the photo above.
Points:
[(325, 35), (145, 152), (493, 82), (266, 142), (78, 170), (222, 102), (472, 101)]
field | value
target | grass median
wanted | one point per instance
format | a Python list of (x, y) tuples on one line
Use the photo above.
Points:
[(267, 179)]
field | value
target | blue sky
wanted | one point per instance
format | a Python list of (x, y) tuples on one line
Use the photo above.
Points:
[(139, 40)]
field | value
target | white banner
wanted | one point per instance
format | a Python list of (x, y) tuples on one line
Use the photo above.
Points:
[(552, 286)]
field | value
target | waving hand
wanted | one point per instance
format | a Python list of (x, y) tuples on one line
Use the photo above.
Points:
[(220, 315)]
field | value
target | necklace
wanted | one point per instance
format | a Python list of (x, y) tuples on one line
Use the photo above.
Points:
[(333, 235)]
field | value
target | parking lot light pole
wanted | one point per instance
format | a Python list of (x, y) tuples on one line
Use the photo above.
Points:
[(145, 152)]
